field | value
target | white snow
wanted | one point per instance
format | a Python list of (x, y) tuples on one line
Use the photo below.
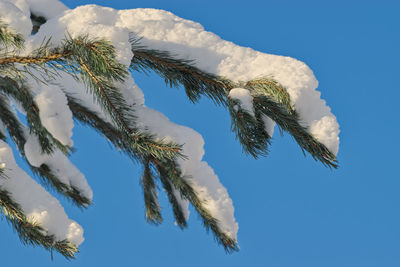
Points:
[(269, 124), (202, 177), (22, 5), (246, 103), (59, 164), (38, 205), (15, 18), (33, 151), (162, 30), (46, 8), (326, 130), (187, 40), (244, 97), (54, 113)]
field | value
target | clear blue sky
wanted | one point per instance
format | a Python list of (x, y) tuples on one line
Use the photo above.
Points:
[(291, 210)]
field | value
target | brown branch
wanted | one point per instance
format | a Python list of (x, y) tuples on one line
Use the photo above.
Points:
[(34, 60)]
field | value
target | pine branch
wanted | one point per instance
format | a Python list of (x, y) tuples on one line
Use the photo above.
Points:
[(177, 209), (273, 89), (95, 62), (10, 121), (153, 209), (17, 133), (169, 171), (179, 72), (90, 118), (138, 146), (50, 180), (249, 130), (29, 232), (98, 69), (25, 98), (42, 63), (8, 38), (290, 123), (34, 60)]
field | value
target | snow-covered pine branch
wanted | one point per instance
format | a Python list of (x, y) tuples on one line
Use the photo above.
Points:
[(83, 73)]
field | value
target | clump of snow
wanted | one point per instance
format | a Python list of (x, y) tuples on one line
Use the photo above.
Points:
[(269, 124), (46, 8), (326, 130), (244, 97), (33, 151), (54, 113), (22, 5), (62, 167), (38, 205), (16, 13), (99, 23), (17, 20), (68, 173)]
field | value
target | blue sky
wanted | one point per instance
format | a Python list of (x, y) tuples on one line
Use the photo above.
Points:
[(291, 210)]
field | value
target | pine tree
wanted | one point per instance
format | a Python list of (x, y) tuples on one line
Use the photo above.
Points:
[(27, 76)]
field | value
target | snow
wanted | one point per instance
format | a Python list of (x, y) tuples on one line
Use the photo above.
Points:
[(67, 173), (187, 40), (15, 18), (71, 87), (326, 130), (38, 205), (56, 117), (202, 177), (46, 8), (245, 99), (54, 113), (164, 31)]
